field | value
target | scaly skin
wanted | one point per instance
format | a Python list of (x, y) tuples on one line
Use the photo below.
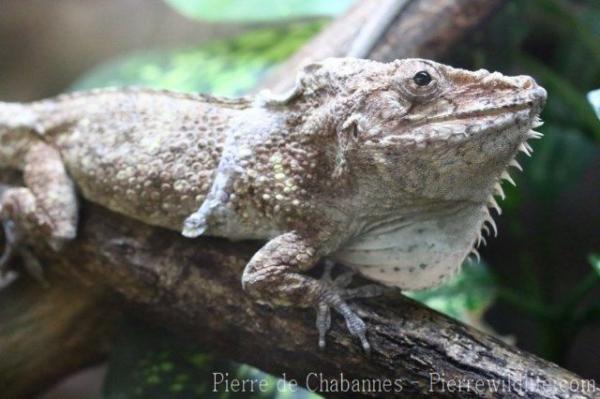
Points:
[(389, 168)]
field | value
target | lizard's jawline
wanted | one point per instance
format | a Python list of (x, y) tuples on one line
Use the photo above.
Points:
[(507, 108), (498, 123), (459, 130)]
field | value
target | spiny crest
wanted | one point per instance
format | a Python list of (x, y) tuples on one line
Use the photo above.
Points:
[(498, 191)]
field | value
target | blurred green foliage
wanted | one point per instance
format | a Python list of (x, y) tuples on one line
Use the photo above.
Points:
[(556, 41), (149, 363), (465, 297), (224, 67), (257, 10)]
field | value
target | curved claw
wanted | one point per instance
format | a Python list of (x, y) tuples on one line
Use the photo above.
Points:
[(355, 325), (335, 297)]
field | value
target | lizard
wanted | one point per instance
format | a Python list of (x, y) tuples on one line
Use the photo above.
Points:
[(388, 168)]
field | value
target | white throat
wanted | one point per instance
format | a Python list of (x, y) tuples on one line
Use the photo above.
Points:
[(415, 254)]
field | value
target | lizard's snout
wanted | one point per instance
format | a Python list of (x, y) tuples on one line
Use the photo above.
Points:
[(539, 94), (535, 93)]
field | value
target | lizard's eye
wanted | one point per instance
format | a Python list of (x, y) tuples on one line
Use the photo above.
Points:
[(422, 78), (418, 83)]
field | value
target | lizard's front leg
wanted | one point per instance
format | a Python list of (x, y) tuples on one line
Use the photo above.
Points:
[(274, 275), (46, 208)]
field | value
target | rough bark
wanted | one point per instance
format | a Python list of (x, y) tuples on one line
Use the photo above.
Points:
[(193, 287)]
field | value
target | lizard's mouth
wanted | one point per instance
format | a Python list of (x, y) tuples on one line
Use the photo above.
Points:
[(521, 113), (516, 114), (519, 109)]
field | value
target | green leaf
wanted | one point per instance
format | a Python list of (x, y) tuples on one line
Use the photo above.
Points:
[(150, 363), (257, 10), (594, 99), (225, 67), (465, 297)]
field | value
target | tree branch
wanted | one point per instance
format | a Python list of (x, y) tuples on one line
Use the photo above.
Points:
[(192, 287)]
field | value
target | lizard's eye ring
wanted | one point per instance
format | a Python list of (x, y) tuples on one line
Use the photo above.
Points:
[(418, 83), (422, 78)]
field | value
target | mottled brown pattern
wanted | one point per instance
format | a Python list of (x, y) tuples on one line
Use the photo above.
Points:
[(153, 153)]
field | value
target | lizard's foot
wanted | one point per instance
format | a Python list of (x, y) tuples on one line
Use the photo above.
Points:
[(335, 297), (21, 221), (14, 245), (44, 210)]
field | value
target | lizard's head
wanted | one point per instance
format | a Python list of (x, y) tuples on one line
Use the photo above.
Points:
[(425, 128)]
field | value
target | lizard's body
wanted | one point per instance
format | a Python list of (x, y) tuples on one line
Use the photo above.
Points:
[(152, 165), (388, 168)]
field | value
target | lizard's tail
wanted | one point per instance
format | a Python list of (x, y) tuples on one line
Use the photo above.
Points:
[(18, 125)]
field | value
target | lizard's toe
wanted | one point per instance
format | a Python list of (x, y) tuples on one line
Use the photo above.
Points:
[(323, 322), (14, 245), (11, 242), (33, 266), (354, 323), (334, 297)]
